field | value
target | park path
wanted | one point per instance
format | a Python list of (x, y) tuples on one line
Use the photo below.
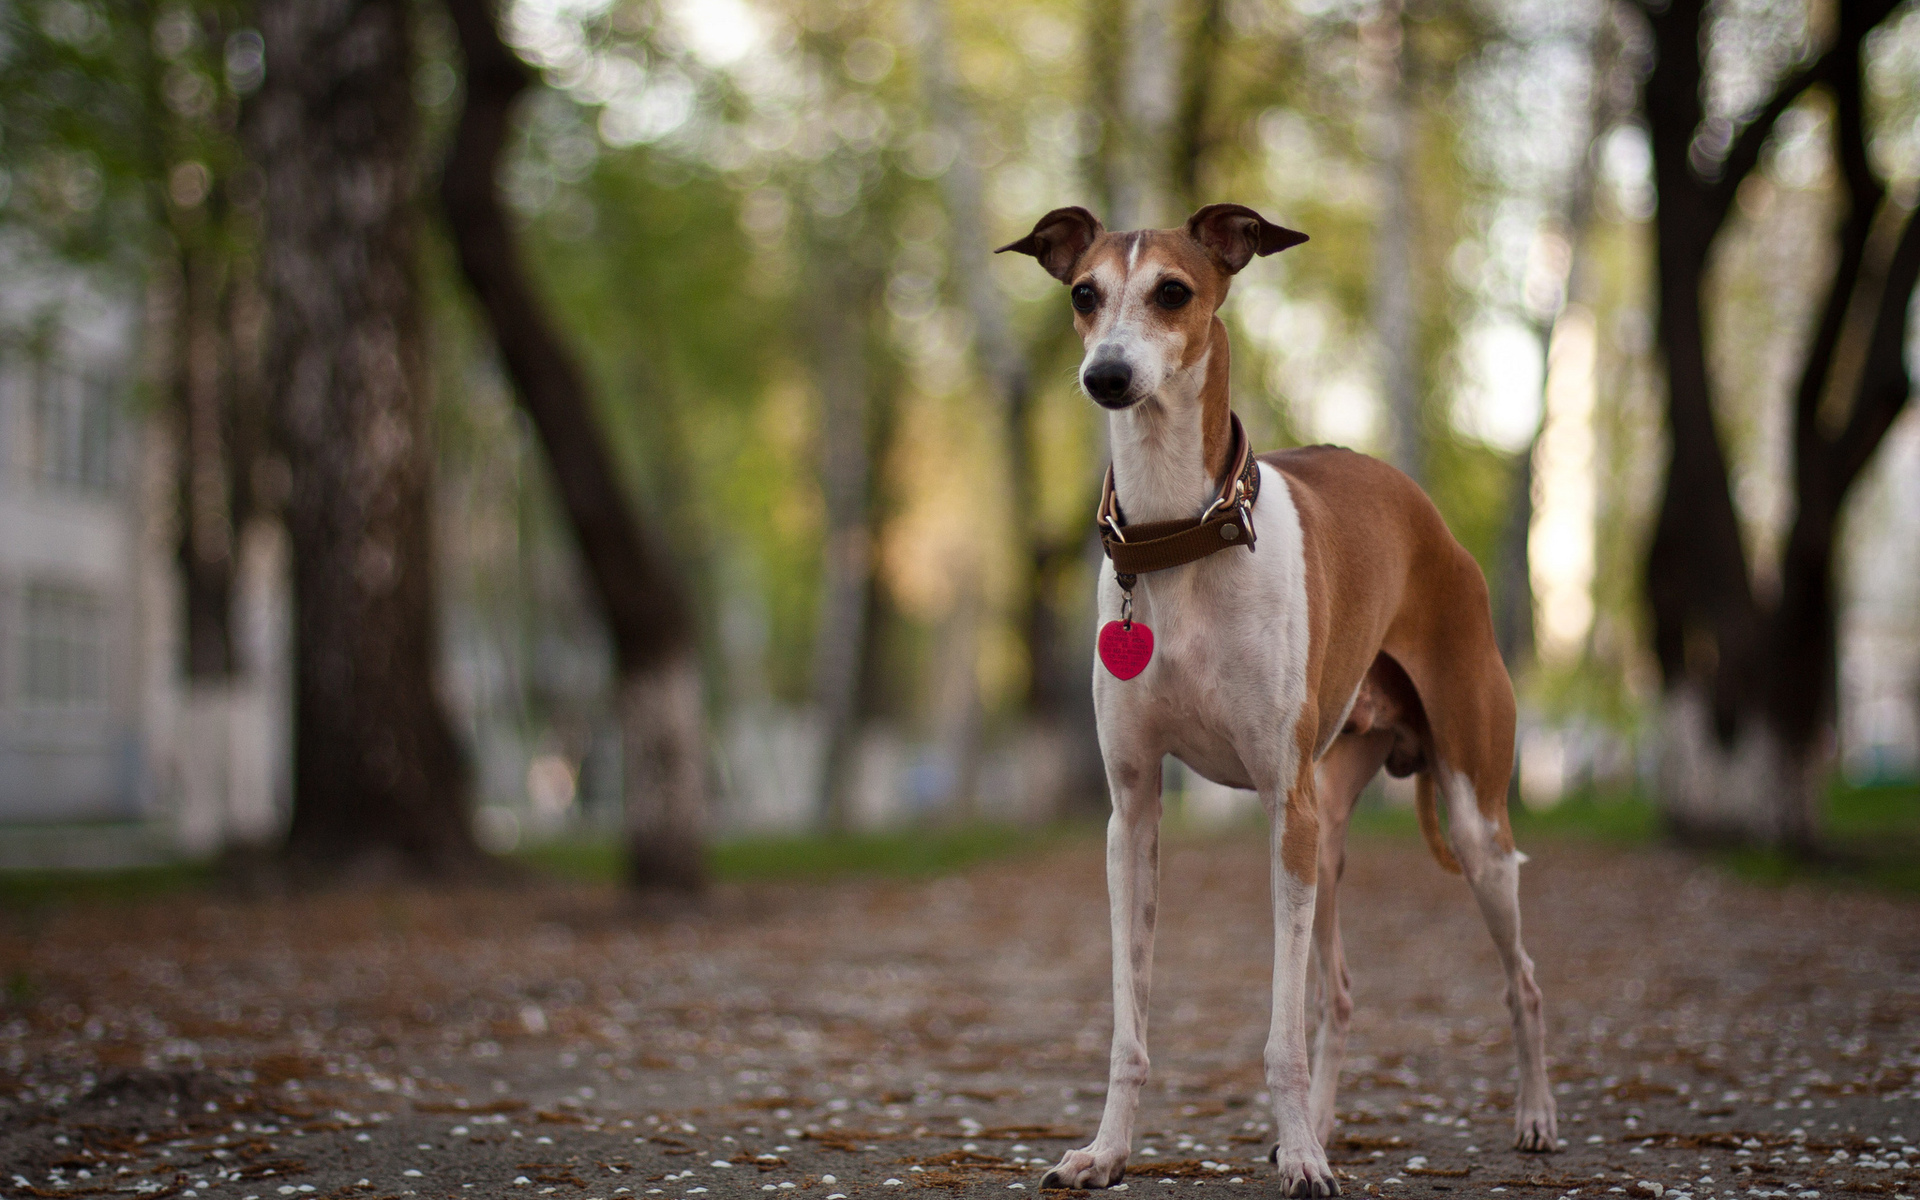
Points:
[(1710, 1037)]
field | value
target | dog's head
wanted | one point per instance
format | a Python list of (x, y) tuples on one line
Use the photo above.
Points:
[(1143, 302)]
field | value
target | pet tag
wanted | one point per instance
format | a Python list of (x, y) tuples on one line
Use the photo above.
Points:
[(1125, 650)]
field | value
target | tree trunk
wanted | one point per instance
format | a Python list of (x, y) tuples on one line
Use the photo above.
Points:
[(207, 518), (1750, 686), (1057, 726), (1149, 101), (660, 692), (1395, 299), (1514, 600), (840, 347), (1193, 133), (377, 774)]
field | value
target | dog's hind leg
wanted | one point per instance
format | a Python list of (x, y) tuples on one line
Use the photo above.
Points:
[(1492, 867), (1133, 887), (1345, 769)]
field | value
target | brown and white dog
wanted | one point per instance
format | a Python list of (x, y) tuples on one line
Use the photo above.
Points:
[(1357, 635)]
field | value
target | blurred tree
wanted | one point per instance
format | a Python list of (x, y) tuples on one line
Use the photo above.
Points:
[(1054, 703), (121, 128), (377, 773), (208, 61), (1389, 66), (1750, 676), (845, 289), (1513, 598), (661, 695)]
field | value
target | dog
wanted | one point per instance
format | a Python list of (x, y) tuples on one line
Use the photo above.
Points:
[(1289, 622)]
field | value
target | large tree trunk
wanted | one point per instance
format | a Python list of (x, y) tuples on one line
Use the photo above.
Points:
[(661, 695), (376, 770), (203, 402), (1750, 685)]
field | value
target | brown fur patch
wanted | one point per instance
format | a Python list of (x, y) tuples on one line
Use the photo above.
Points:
[(1300, 834), (1380, 556)]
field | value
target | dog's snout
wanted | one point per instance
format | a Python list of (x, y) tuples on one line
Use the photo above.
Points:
[(1107, 381)]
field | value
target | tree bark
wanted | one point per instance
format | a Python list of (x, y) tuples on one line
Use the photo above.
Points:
[(377, 774), (1058, 711), (1514, 599), (1193, 134), (1395, 299), (661, 696), (840, 633), (1750, 685), (1149, 101), (203, 402)]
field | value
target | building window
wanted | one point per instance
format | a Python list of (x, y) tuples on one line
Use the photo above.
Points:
[(74, 419), (64, 655)]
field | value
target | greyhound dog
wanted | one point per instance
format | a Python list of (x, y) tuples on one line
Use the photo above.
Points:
[(1355, 635)]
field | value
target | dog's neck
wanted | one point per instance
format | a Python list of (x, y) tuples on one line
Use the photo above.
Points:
[(1171, 450)]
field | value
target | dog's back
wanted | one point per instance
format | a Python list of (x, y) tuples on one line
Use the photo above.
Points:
[(1385, 576)]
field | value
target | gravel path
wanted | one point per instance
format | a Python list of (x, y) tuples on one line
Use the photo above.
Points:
[(1709, 1037)]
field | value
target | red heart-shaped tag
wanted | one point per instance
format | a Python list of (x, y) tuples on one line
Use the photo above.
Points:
[(1126, 650)]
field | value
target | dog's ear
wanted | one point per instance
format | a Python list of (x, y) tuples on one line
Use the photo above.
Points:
[(1232, 234), (1059, 239)]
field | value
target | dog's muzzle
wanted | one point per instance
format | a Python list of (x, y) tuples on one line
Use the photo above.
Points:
[(1108, 381)]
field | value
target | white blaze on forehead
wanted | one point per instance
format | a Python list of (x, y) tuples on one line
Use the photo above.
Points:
[(1124, 325)]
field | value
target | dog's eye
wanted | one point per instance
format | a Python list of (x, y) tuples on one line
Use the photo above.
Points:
[(1173, 294), (1083, 298)]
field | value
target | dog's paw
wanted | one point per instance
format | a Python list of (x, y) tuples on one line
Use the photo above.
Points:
[(1304, 1172), (1088, 1168), (1535, 1130)]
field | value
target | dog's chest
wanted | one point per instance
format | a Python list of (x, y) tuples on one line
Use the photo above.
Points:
[(1228, 673)]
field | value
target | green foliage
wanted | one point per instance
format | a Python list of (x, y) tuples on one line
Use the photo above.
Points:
[(119, 119)]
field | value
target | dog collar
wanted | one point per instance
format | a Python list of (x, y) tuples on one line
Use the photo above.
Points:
[(1157, 545)]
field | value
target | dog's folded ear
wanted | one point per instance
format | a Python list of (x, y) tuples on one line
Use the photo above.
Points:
[(1232, 234), (1059, 239)]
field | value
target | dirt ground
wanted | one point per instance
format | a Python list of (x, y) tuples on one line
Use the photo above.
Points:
[(1709, 1037)]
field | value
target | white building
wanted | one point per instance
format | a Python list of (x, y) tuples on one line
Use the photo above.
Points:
[(107, 756)]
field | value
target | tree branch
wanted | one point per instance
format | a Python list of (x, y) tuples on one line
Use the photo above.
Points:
[(647, 614), (1838, 66), (1885, 381), (1752, 138)]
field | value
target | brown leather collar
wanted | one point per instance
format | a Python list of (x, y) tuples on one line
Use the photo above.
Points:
[(1157, 545)]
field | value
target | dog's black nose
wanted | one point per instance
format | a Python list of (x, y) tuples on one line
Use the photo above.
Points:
[(1107, 381)]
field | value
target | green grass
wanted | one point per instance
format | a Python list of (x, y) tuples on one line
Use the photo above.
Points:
[(1871, 838), (1620, 818), (27, 890), (900, 854), (1871, 834)]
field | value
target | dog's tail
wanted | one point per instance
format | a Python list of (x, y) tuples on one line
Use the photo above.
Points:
[(1430, 823)]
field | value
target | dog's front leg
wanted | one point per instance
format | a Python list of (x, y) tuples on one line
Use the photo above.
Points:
[(1133, 888), (1295, 826)]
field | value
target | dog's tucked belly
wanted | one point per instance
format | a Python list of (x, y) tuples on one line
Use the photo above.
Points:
[(1215, 760)]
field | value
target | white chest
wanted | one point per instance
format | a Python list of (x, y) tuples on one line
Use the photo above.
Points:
[(1227, 680)]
